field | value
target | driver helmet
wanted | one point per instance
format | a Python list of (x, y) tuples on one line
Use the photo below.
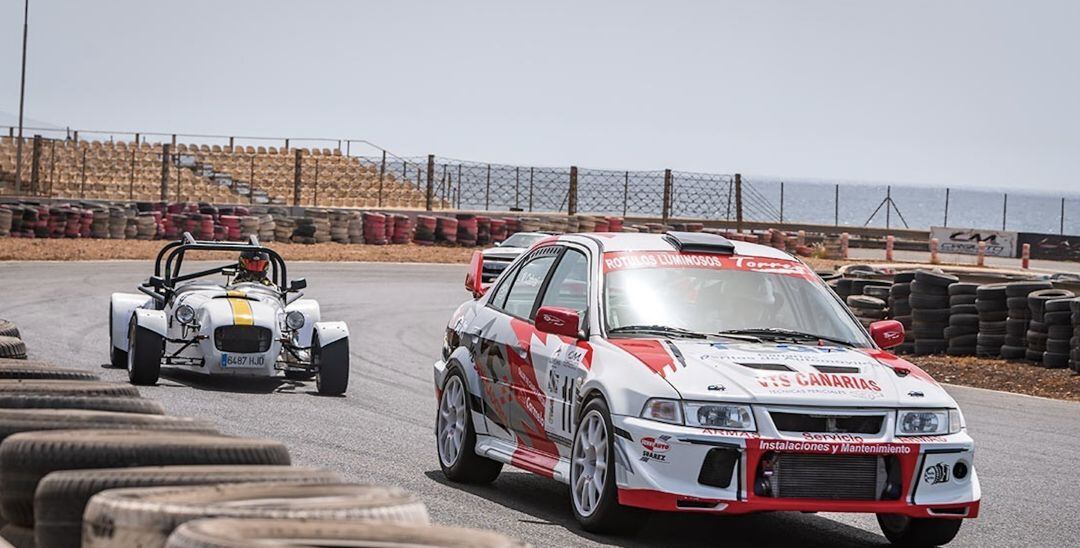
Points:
[(255, 262)]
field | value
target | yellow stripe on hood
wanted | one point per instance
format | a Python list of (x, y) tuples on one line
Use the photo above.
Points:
[(242, 314)]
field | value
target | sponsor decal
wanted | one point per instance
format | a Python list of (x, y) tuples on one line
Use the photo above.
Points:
[(615, 261), (938, 473), (554, 320), (829, 448), (829, 380), (830, 436), (730, 433), (654, 449)]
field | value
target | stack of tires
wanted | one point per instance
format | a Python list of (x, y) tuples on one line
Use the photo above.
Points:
[(1038, 332), (284, 228), (1059, 332), (374, 228), (466, 230), (304, 231), (355, 229), (1074, 352), (1019, 318), (446, 230), (867, 309), (12, 346), (962, 333), (992, 304), (339, 227), (402, 229), (900, 309), (425, 230), (99, 228), (321, 220), (266, 228), (498, 230), (929, 301)]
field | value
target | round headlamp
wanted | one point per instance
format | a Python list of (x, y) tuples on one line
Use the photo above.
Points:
[(294, 320), (185, 314)]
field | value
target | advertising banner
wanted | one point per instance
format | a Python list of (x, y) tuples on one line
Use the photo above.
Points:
[(999, 243), (1052, 247)]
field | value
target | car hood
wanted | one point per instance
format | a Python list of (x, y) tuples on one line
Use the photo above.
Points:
[(797, 374)]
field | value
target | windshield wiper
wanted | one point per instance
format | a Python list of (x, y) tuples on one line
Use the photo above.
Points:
[(781, 333), (658, 330)]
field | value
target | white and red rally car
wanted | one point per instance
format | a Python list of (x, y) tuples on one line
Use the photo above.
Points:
[(686, 372)]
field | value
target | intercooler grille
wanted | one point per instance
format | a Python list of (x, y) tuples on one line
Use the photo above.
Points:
[(242, 339), (836, 477)]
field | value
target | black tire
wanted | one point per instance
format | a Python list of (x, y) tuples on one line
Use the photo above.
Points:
[(938, 279), (231, 533), (9, 329), (964, 320), (12, 347), (930, 315), (994, 316), (955, 309), (332, 366), (33, 371), (117, 357), (61, 497), (965, 340), (983, 305), (1063, 332), (145, 349), (1017, 303), (995, 292), (1058, 318), (53, 387), (1060, 305), (1058, 346), (923, 300), (960, 350), (865, 302), (18, 536), (901, 308), (900, 290), (146, 516), (926, 347), (27, 457), (922, 288), (466, 466), (878, 291), (14, 421), (918, 532), (962, 299), (903, 277), (1009, 352), (963, 288), (1022, 289), (99, 403), (1054, 360), (608, 516)]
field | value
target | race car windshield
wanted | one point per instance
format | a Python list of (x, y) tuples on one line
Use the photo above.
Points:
[(722, 299)]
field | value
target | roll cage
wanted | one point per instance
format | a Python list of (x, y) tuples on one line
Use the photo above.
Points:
[(171, 258)]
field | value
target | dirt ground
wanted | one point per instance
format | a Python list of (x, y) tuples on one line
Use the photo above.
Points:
[(1020, 377)]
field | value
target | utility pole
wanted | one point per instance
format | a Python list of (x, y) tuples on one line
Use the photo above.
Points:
[(22, 96)]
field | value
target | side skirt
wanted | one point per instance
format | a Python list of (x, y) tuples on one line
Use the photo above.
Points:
[(525, 458)]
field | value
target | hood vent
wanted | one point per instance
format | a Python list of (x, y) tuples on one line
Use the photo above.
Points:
[(837, 369), (767, 366)]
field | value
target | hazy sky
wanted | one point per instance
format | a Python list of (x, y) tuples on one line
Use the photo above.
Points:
[(975, 93)]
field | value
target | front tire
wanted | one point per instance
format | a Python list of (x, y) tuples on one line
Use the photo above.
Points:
[(918, 532), (332, 364), (117, 358), (456, 437), (144, 355), (594, 496)]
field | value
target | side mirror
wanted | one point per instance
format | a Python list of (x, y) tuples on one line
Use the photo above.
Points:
[(474, 278), (887, 333), (298, 284), (558, 321)]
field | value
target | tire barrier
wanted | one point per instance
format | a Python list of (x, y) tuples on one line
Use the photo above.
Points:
[(1019, 318), (483, 230), (232, 533), (1038, 332), (1074, 352), (25, 369), (1059, 332), (466, 230), (867, 309), (425, 230), (61, 497), (900, 306), (374, 228), (8, 329), (403, 229), (12, 348), (962, 333), (991, 302), (446, 230), (929, 301), (145, 517), (27, 457)]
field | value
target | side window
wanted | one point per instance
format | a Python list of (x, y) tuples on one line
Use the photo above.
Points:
[(569, 286), (498, 300), (526, 286)]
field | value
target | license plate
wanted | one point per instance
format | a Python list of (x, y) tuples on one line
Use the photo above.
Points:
[(240, 361)]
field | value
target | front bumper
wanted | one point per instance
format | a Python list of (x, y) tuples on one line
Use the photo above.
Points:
[(663, 467)]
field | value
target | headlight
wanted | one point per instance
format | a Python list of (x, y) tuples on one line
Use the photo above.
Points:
[(662, 410), (728, 416), (294, 320), (185, 314), (927, 422)]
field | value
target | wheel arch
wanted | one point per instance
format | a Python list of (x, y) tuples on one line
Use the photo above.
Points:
[(121, 308)]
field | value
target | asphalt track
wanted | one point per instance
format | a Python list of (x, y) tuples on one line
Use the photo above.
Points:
[(1027, 448)]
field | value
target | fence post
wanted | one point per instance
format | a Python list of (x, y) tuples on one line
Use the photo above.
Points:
[(571, 196), (625, 191), (315, 199), (782, 202), (165, 172), (231, 148), (980, 254), (430, 181), (1061, 229), (665, 208), (457, 195), (738, 202), (382, 174), (517, 190), (836, 202), (35, 164), (1025, 256), (487, 189), (251, 182), (946, 222), (530, 189), (131, 184), (82, 186), (1004, 210), (296, 175), (888, 204)]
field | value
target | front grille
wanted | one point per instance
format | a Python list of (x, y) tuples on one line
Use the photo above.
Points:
[(242, 339), (833, 477), (839, 424)]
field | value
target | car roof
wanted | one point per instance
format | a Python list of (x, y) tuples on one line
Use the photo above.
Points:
[(639, 241)]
